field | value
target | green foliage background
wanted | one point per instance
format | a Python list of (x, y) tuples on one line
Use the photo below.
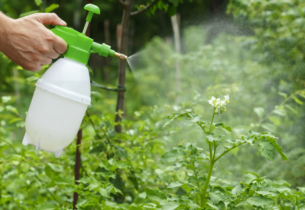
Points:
[(251, 50)]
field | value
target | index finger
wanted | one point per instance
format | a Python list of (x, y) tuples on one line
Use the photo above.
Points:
[(59, 45)]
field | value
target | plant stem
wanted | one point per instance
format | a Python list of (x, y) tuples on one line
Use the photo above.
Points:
[(206, 185), (225, 152)]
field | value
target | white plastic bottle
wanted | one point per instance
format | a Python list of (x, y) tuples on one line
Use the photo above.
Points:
[(62, 95), (58, 106)]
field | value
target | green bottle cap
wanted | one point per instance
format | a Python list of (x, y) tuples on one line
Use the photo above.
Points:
[(91, 9)]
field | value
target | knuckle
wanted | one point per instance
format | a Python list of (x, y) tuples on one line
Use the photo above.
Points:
[(50, 37), (42, 49)]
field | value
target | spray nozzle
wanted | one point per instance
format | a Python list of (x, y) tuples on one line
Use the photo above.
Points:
[(79, 45)]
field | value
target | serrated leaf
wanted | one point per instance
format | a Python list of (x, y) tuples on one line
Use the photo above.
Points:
[(259, 201), (51, 7), (272, 140), (266, 149)]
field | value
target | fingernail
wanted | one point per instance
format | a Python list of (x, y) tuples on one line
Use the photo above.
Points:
[(63, 22)]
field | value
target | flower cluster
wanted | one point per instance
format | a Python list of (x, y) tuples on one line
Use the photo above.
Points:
[(218, 104)]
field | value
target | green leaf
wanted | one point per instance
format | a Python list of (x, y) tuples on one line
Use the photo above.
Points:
[(273, 194), (237, 189), (46, 206), (227, 128), (6, 99), (103, 192), (174, 2), (259, 201), (49, 172), (260, 112), (175, 184), (12, 109), (275, 120), (297, 100), (32, 79), (51, 7), (1, 108), (172, 10), (269, 127), (170, 205), (14, 120), (38, 2), (282, 94), (26, 14), (172, 156), (96, 95), (272, 140), (155, 195), (250, 178), (266, 149), (216, 198)]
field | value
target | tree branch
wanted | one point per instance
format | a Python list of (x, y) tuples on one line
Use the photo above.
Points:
[(122, 3), (146, 8)]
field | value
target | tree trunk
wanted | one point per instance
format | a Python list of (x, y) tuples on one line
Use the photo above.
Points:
[(175, 23), (77, 165), (78, 144), (122, 65), (107, 41)]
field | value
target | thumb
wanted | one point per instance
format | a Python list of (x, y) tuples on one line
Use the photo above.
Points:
[(50, 19)]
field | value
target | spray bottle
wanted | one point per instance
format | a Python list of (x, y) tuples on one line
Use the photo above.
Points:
[(62, 95)]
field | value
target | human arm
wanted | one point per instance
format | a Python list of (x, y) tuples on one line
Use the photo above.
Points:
[(28, 43)]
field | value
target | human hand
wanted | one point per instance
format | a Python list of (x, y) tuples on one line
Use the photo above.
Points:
[(28, 43)]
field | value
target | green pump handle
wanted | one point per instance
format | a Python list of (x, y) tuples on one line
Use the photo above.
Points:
[(79, 45)]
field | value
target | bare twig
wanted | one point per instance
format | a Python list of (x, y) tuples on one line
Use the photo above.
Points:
[(146, 8), (122, 3)]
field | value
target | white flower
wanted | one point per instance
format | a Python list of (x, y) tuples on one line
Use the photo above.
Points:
[(227, 98), (215, 102)]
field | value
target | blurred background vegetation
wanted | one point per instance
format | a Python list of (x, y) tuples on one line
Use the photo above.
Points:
[(252, 50)]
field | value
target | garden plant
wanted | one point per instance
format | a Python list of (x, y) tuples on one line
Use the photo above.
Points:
[(173, 150)]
